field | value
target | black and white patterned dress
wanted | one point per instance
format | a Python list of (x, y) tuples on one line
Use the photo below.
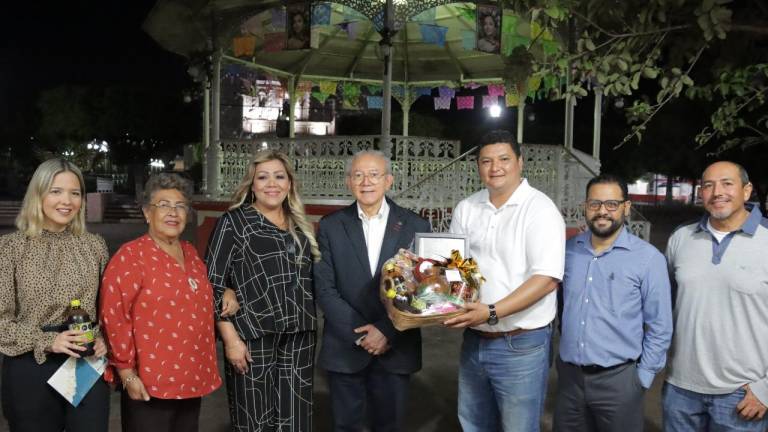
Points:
[(271, 275)]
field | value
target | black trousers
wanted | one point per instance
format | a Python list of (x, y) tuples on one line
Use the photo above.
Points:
[(31, 405), (159, 415), (374, 394)]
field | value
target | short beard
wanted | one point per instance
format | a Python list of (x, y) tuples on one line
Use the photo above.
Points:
[(616, 225), (721, 214)]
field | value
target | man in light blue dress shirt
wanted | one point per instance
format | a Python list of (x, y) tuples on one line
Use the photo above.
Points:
[(616, 321)]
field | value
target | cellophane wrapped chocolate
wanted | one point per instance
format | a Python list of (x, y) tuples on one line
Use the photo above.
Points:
[(416, 290)]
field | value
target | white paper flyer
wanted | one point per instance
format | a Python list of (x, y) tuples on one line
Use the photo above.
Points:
[(75, 377)]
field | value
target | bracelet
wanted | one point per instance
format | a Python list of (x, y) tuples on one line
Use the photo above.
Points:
[(129, 379)]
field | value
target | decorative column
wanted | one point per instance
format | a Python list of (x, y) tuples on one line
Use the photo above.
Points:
[(597, 122), (206, 129), (520, 119), (213, 153), (292, 110), (386, 46), (570, 103), (406, 105)]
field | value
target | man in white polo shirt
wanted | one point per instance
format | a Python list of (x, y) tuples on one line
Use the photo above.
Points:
[(517, 235)]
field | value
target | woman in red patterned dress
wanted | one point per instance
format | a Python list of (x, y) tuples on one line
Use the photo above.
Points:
[(157, 314)]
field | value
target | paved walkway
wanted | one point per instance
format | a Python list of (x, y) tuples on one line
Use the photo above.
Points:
[(433, 401)]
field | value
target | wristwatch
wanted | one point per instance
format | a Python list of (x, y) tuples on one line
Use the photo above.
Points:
[(493, 319)]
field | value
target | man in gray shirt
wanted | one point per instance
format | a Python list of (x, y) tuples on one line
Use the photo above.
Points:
[(718, 370)]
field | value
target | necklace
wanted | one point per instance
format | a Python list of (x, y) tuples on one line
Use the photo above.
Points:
[(281, 223)]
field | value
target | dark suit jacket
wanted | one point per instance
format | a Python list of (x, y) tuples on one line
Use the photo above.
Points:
[(349, 295)]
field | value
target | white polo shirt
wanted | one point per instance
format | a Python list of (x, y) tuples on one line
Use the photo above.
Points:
[(374, 228), (522, 238)]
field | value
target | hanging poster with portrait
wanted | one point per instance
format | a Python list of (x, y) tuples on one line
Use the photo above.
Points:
[(297, 26), (488, 28)]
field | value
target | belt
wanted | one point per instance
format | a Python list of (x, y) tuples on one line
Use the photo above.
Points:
[(496, 335), (58, 328), (596, 369)]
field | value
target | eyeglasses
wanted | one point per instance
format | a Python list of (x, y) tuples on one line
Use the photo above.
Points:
[(165, 207), (373, 177), (610, 205)]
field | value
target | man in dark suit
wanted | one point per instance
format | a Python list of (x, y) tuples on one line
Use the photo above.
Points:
[(369, 362)]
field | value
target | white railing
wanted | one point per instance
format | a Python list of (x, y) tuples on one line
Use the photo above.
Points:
[(320, 161)]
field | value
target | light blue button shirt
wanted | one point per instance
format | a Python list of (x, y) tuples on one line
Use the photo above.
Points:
[(616, 305)]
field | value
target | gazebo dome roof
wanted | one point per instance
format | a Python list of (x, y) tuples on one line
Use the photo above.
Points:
[(189, 27)]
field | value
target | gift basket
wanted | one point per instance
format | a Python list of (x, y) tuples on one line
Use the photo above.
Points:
[(419, 292)]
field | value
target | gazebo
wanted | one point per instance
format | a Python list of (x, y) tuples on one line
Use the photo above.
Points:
[(363, 52)]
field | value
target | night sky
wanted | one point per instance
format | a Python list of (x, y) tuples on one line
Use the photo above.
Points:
[(50, 44), (92, 43), (46, 44)]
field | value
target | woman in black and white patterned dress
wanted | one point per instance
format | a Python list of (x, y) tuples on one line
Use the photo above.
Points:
[(263, 248)]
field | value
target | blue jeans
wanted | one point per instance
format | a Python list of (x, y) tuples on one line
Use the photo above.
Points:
[(503, 381), (686, 411)]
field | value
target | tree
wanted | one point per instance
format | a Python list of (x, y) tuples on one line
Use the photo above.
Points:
[(66, 124), (138, 122), (677, 47)]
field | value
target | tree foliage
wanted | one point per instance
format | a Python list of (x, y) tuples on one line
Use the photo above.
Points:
[(742, 93), (655, 51)]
